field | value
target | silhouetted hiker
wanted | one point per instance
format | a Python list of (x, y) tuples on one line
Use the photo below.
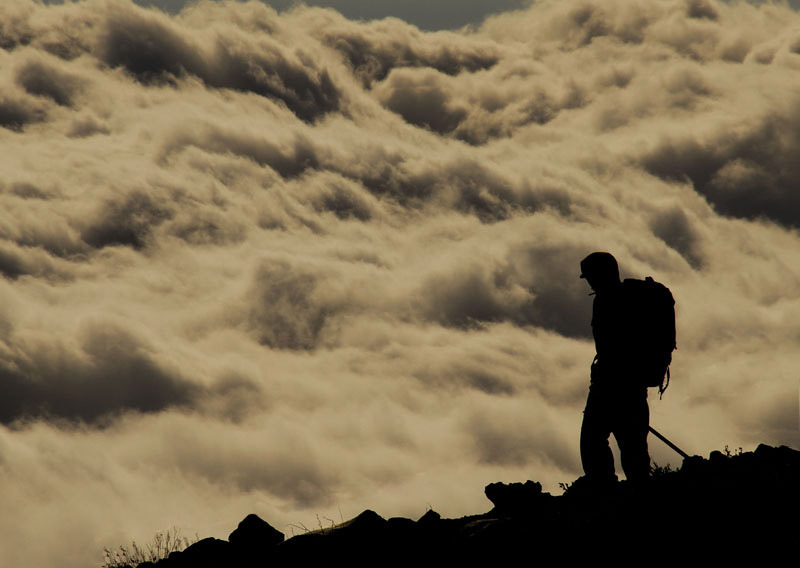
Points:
[(633, 352)]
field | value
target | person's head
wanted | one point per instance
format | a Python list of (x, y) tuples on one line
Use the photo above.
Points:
[(600, 270)]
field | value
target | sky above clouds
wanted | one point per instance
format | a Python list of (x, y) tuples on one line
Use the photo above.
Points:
[(299, 265), (425, 14)]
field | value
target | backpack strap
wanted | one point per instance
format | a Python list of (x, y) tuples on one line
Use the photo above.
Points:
[(663, 386)]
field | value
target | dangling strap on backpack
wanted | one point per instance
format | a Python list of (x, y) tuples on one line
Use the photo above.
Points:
[(663, 386)]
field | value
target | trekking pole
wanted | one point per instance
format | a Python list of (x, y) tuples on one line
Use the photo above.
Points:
[(670, 444)]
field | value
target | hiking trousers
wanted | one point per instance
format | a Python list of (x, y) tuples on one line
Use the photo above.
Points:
[(625, 414)]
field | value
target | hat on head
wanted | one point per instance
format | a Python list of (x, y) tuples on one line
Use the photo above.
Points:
[(599, 263)]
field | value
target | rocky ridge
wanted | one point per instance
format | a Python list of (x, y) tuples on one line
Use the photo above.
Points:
[(729, 505)]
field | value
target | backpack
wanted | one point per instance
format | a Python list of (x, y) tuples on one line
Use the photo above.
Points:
[(652, 330)]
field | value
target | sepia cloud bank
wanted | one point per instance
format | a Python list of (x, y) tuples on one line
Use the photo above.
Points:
[(299, 265)]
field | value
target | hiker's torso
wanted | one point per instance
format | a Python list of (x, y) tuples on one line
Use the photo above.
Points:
[(615, 338)]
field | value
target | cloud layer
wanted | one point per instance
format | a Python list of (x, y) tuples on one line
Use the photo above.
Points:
[(293, 264)]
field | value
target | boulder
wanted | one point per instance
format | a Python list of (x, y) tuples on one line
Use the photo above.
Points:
[(206, 553), (255, 532), (429, 517), (509, 498)]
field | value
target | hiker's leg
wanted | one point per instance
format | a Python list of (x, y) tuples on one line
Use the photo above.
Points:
[(631, 433), (596, 456)]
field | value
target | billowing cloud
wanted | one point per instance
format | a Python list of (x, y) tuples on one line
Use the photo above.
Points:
[(16, 112), (290, 263), (374, 49), (107, 372), (748, 170)]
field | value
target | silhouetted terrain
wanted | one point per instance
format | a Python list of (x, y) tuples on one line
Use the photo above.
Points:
[(726, 506)]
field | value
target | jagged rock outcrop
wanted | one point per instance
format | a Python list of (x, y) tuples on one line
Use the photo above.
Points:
[(727, 506)]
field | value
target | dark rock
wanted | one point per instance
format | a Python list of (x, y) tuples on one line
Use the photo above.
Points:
[(255, 532), (254, 541), (206, 553), (405, 531), (692, 463), (429, 517), (401, 525), (741, 497), (716, 457), (366, 524), (514, 497), (781, 455), (362, 539)]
